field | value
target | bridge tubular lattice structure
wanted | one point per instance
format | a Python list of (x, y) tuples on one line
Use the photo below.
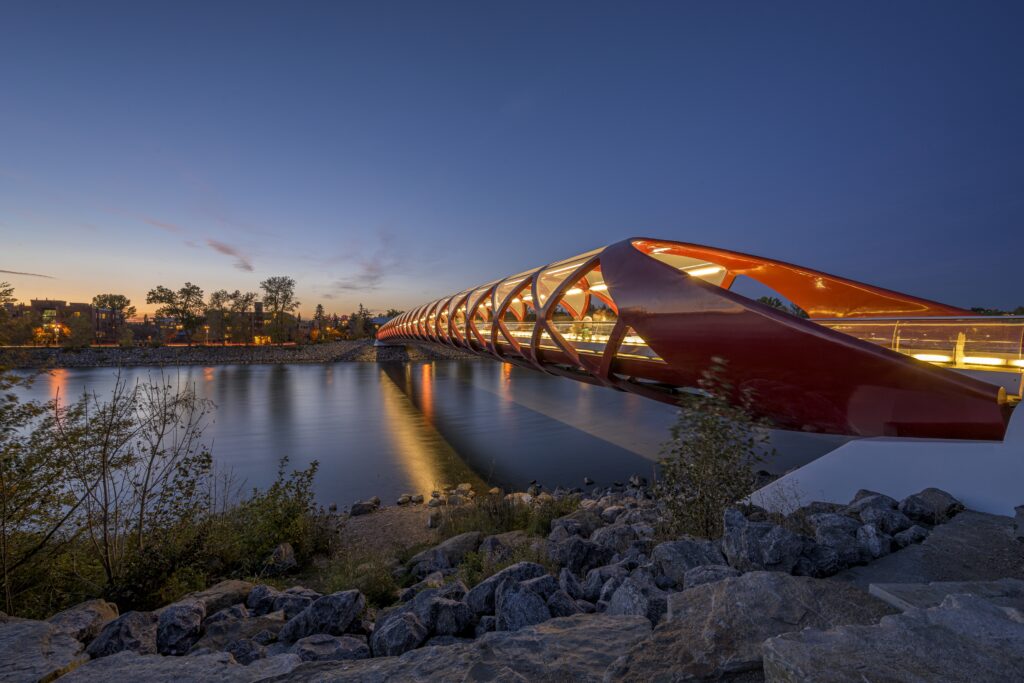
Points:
[(651, 316)]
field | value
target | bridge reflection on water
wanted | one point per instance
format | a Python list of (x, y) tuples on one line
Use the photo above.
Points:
[(384, 429)]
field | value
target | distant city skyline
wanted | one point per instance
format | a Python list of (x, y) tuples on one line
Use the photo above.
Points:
[(386, 154)]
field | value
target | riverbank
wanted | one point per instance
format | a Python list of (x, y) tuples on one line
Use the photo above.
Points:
[(361, 350), (873, 590)]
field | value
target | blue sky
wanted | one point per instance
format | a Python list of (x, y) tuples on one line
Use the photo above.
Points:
[(389, 153)]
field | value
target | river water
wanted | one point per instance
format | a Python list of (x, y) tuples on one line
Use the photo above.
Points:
[(388, 428)]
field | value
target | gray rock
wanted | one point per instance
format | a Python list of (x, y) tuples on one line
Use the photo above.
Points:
[(135, 631), (238, 611), (560, 604), (818, 561), (611, 512), (579, 555), (543, 586), (486, 624), (220, 667), (568, 582), (417, 498), (598, 577), (516, 606), (444, 641), (617, 537), (582, 522), (577, 648), (291, 604), (874, 542), (708, 573), (715, 630), (433, 519), (609, 588), (904, 596), (361, 508), (1018, 523), (304, 592), (481, 598), (449, 617), (931, 506), (330, 614), (261, 599), (586, 607), (638, 597), (281, 560), (885, 520), (400, 634), (839, 532), (865, 499), (178, 627), (85, 620), (445, 555), (32, 651), (433, 580), (674, 558), (244, 650), (751, 546), (323, 647), (914, 534), (964, 639), (501, 547), (221, 595), (218, 635)]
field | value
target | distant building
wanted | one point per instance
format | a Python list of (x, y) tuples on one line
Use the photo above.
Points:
[(49, 313)]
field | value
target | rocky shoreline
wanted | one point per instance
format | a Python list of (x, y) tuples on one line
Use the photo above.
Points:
[(775, 599), (362, 350)]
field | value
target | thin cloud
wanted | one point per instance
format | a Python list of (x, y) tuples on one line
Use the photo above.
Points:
[(371, 270), (241, 261), (18, 272), (163, 225)]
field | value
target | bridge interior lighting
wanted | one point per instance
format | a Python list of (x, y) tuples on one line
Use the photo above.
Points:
[(599, 288), (705, 270), (983, 360), (661, 250), (1017, 363), (527, 298), (933, 357), (574, 290)]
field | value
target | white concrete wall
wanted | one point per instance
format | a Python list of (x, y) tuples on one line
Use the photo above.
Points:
[(985, 475)]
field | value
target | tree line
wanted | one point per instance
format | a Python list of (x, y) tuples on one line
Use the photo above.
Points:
[(225, 317)]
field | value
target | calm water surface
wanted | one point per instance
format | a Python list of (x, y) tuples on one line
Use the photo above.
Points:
[(384, 429)]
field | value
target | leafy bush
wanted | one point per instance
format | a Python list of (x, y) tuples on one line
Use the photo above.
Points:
[(476, 567), (371, 573), (496, 515), (708, 465)]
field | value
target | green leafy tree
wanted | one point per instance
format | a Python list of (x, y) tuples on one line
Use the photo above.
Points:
[(6, 297), (279, 301), (80, 332), (118, 304), (708, 464), (185, 305), (242, 324)]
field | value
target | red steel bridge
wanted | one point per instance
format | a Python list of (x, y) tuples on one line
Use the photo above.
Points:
[(649, 316)]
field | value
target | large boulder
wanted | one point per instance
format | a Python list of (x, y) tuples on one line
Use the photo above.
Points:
[(598, 577), (577, 648), (579, 555), (221, 595), (516, 606), (715, 630), (750, 546), (178, 627), (85, 620), (439, 610), (619, 537), (673, 559), (331, 614), (966, 638), (885, 520), (291, 604), (260, 599), (708, 573), (873, 542), (839, 532), (324, 647), (502, 547), (445, 555), (218, 635), (931, 506), (219, 666), (637, 595), (32, 651), (481, 598), (135, 631), (400, 634)]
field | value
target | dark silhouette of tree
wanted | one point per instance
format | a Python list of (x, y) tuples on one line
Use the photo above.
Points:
[(185, 305), (393, 313), (118, 304), (279, 300)]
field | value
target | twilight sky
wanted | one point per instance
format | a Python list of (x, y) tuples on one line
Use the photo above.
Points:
[(389, 153)]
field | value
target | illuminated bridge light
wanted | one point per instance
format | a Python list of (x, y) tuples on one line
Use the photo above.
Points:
[(649, 316)]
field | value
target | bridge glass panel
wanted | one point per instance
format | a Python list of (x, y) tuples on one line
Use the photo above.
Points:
[(586, 314)]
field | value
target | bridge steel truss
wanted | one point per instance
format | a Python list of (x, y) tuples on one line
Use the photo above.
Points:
[(649, 316)]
